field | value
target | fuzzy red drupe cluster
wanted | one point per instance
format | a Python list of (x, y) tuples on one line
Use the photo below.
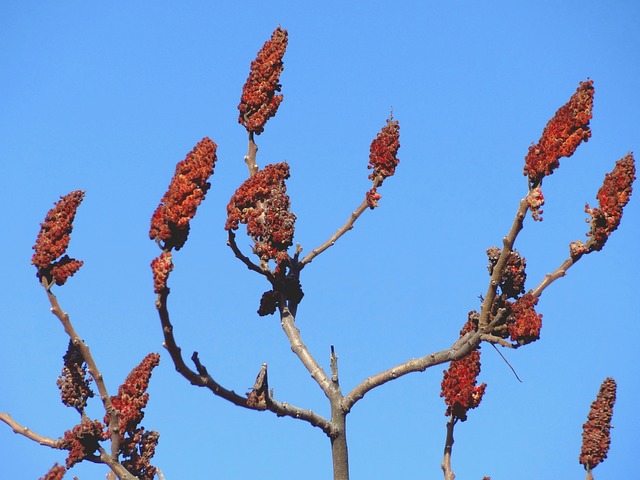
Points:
[(383, 158), (612, 198), (564, 132), (188, 187), (259, 101), (459, 384), (263, 205), (53, 239)]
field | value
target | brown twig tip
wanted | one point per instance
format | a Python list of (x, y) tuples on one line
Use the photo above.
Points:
[(161, 267), (262, 203), (596, 431), (383, 158), (612, 197), (53, 239), (55, 473), (563, 134), (259, 101), (188, 187)]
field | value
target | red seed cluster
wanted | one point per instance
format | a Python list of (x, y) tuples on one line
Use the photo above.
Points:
[(596, 431), (73, 383), (82, 441), (53, 240), (459, 387), (161, 267), (188, 187), (132, 395), (612, 198), (526, 324), (565, 131), (56, 473), (263, 205), (259, 101), (383, 157), (514, 275)]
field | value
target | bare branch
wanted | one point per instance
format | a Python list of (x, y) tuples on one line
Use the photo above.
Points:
[(300, 349), (250, 157), (114, 423), (244, 259), (30, 434), (348, 225), (458, 350), (202, 378)]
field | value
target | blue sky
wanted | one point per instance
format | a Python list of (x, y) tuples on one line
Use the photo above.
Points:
[(109, 98)]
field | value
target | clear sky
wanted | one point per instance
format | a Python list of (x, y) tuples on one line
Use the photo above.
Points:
[(108, 98)]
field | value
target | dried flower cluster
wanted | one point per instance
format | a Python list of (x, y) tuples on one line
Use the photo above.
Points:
[(259, 101), (262, 203), (55, 473), (53, 240), (383, 158), (188, 187), (82, 441), (612, 198), (161, 266), (596, 431), (459, 384), (564, 132), (73, 381), (513, 277)]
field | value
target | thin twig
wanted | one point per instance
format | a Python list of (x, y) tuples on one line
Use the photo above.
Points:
[(250, 157), (507, 362), (448, 447), (30, 434), (231, 242), (348, 225), (114, 423)]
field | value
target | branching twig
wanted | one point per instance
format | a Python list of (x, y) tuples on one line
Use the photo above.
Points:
[(202, 378)]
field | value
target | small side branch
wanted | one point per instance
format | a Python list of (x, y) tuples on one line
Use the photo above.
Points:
[(549, 278), (244, 259), (448, 447), (458, 350), (30, 434), (348, 225)]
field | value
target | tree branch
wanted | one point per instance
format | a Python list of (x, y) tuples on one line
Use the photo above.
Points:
[(202, 378), (231, 242), (287, 322), (348, 225), (30, 434), (114, 423), (458, 350)]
